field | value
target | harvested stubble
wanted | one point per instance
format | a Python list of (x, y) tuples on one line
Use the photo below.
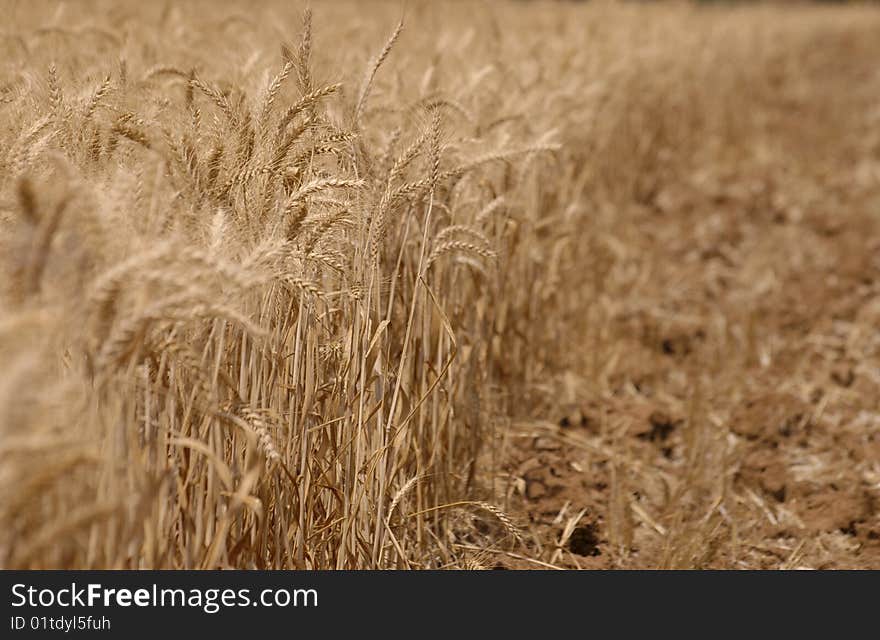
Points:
[(266, 299)]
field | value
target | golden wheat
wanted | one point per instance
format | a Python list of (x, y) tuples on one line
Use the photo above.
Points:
[(267, 302)]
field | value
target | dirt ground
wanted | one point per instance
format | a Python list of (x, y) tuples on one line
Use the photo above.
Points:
[(726, 413)]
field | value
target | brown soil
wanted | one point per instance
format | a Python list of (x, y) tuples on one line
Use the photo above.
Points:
[(727, 413)]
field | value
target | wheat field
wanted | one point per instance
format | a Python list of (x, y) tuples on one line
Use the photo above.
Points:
[(439, 285)]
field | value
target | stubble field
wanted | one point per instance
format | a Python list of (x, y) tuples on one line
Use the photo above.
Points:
[(449, 285)]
